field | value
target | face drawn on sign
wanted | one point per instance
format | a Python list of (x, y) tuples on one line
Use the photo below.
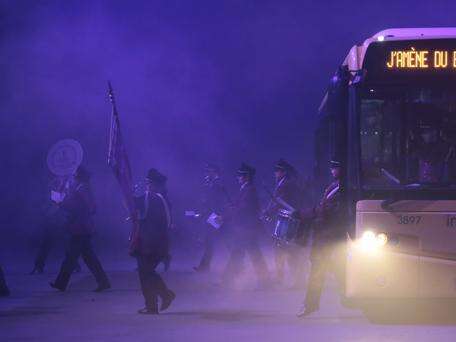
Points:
[(64, 157)]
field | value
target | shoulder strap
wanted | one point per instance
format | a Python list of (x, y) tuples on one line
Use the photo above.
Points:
[(146, 205), (165, 204), (332, 192)]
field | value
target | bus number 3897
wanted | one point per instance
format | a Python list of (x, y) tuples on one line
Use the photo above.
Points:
[(409, 219)]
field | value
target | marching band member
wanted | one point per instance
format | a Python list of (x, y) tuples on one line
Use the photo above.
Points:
[(80, 206), (214, 200), (51, 226), (153, 247), (244, 221), (287, 190), (328, 228)]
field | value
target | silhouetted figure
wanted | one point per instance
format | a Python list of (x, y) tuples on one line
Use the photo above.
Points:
[(4, 291), (244, 221), (51, 227), (288, 191), (214, 200), (153, 242), (432, 154), (80, 207), (328, 238)]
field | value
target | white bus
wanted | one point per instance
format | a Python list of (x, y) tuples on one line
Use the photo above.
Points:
[(390, 116)]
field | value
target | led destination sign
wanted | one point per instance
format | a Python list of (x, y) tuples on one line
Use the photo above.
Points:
[(421, 59), (411, 61)]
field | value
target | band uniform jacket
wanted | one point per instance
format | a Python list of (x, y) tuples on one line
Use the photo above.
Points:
[(244, 213), (80, 207), (214, 198), (329, 213), (287, 190), (154, 223)]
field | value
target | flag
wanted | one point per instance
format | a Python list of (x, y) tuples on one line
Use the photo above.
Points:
[(119, 163)]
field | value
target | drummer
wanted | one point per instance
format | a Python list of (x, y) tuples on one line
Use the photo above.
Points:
[(286, 197)]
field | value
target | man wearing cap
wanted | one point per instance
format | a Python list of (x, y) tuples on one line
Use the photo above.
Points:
[(80, 207), (245, 224), (214, 200), (286, 196), (153, 242), (4, 291), (328, 235)]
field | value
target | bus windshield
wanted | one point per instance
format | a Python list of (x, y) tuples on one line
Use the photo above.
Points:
[(408, 137)]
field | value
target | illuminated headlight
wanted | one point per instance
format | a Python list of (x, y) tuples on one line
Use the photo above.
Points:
[(382, 239), (381, 38), (370, 241)]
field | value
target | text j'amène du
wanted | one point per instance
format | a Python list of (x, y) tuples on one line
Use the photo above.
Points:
[(421, 59)]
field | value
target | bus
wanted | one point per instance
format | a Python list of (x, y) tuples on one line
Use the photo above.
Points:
[(390, 116)]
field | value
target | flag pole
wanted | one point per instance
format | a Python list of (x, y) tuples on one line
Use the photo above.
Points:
[(118, 161)]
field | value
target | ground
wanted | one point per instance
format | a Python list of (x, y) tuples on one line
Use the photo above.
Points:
[(202, 311)]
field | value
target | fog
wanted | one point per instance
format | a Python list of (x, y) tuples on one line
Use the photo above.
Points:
[(195, 81)]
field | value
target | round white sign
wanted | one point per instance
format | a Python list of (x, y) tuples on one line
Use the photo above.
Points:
[(64, 157)]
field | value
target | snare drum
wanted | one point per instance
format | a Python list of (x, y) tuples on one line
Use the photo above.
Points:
[(286, 227)]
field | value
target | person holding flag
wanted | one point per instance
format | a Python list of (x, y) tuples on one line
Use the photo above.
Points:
[(150, 217)]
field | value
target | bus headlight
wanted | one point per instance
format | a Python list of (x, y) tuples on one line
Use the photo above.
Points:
[(382, 239), (370, 241)]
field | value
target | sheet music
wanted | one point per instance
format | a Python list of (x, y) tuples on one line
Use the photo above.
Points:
[(212, 220), (57, 197), (192, 213)]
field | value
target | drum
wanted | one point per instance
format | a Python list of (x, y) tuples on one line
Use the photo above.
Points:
[(286, 227)]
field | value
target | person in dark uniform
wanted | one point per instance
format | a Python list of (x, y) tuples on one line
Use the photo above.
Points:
[(51, 228), (4, 290), (432, 153), (243, 217), (328, 241), (287, 192), (214, 200), (80, 207), (153, 242)]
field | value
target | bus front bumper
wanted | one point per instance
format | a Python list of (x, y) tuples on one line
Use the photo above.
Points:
[(383, 273)]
